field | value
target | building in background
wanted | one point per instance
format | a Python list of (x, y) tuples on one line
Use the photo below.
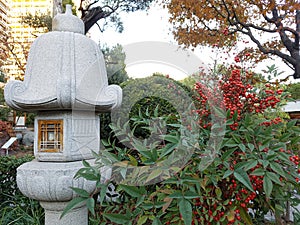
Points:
[(21, 34), (3, 27), (3, 15)]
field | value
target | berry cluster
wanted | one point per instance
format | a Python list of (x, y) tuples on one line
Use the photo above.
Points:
[(236, 94)]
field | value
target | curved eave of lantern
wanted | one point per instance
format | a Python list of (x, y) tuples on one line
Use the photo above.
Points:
[(109, 98), (65, 71)]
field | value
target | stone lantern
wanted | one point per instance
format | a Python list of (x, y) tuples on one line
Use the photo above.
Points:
[(66, 84)]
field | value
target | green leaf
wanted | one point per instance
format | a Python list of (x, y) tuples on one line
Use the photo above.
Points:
[(227, 154), (85, 163), (167, 149), (117, 218), (142, 220), (141, 148), (268, 186), (132, 190), (176, 194), (258, 172), (72, 204), (171, 138), (90, 203), (250, 164), (295, 140), (133, 160), (277, 168), (156, 221), (154, 174), (243, 177), (219, 112), (274, 177), (245, 216), (290, 124), (250, 146), (229, 122), (103, 190), (81, 192), (242, 147), (190, 195), (227, 173), (218, 192), (185, 209)]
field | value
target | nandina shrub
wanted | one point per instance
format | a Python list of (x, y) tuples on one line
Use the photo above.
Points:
[(242, 166), (256, 164)]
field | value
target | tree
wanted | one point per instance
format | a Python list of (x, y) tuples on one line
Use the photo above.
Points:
[(294, 89), (273, 26), (13, 51), (115, 64), (93, 11), (108, 10)]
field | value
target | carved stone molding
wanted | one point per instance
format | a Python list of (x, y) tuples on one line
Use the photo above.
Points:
[(51, 182)]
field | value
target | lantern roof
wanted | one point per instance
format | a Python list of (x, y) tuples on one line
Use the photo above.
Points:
[(65, 70)]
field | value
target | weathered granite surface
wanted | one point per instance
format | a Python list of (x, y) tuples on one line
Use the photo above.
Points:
[(65, 70), (81, 135), (66, 84)]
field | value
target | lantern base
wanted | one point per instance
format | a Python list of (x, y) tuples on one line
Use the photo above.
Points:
[(53, 212)]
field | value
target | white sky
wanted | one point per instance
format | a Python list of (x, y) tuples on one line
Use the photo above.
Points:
[(153, 25)]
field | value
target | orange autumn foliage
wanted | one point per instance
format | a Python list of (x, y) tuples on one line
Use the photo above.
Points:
[(273, 25)]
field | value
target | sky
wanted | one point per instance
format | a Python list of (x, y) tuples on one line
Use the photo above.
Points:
[(145, 28)]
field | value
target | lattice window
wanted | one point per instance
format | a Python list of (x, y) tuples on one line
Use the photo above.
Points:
[(50, 135)]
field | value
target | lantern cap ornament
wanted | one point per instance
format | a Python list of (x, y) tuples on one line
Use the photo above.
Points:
[(68, 22), (65, 70)]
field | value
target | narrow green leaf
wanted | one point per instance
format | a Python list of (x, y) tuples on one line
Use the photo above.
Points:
[(167, 149), (85, 163), (242, 147), (103, 190), (290, 124), (268, 186), (274, 177), (72, 204), (190, 195), (227, 154), (258, 172), (227, 173), (185, 209), (171, 138), (90, 203), (243, 177), (250, 146), (219, 112), (117, 218), (154, 174), (156, 221), (218, 192), (245, 216), (176, 194), (277, 168), (250, 164), (142, 220), (81, 192), (132, 190), (147, 154)]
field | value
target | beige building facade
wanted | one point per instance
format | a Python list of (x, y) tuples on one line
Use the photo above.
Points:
[(3, 28), (21, 35)]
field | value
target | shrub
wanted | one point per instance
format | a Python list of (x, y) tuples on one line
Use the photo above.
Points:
[(8, 172), (146, 95), (243, 165)]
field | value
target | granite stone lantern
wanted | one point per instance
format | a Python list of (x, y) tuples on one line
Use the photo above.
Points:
[(66, 84)]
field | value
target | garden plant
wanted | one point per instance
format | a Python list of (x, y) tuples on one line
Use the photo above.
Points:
[(244, 163)]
